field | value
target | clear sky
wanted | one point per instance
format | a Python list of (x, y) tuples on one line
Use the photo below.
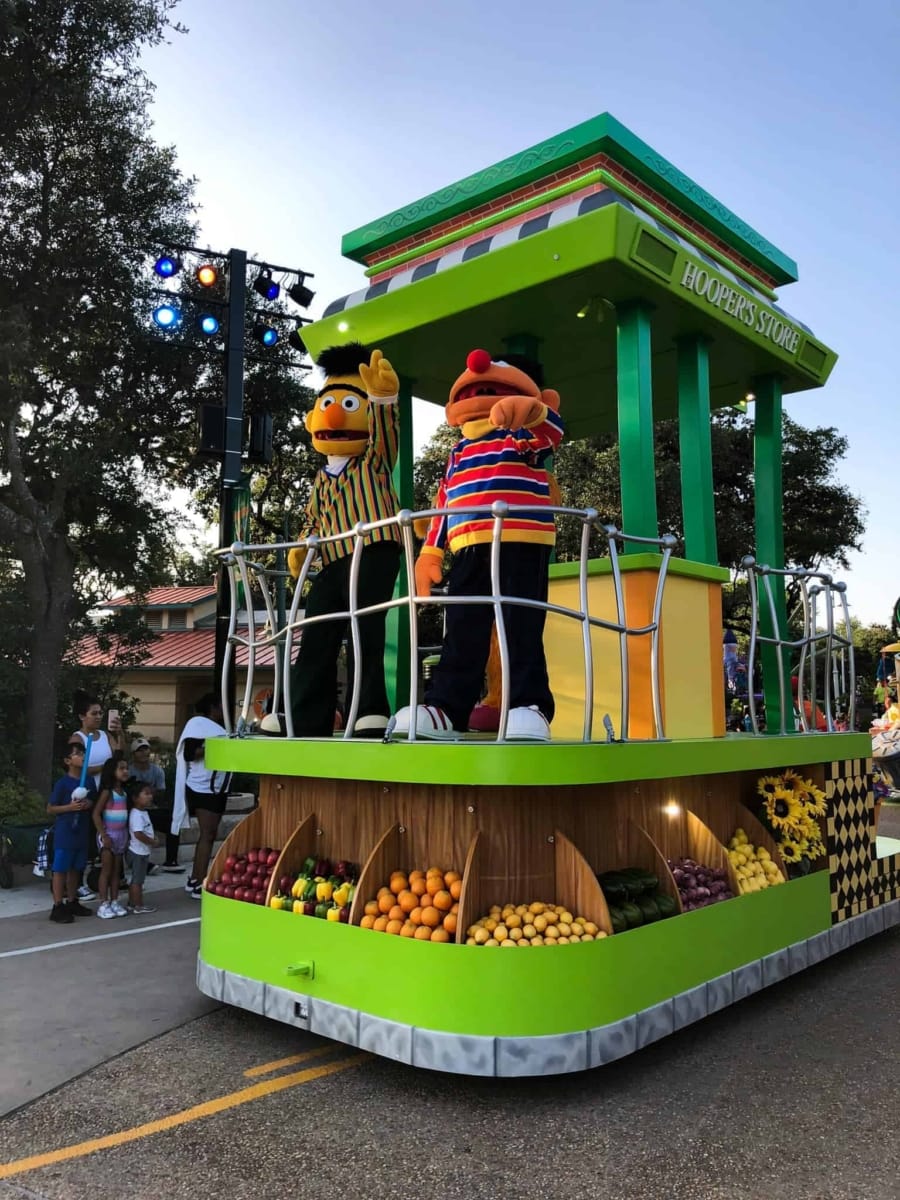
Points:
[(302, 119)]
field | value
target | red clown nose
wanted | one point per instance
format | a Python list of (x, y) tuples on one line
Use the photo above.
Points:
[(478, 361)]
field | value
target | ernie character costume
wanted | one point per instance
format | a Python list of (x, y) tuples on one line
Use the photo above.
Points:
[(354, 423), (510, 426)]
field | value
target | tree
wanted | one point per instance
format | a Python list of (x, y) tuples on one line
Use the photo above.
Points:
[(94, 414)]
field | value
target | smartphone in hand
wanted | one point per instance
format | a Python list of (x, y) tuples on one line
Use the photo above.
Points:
[(114, 722)]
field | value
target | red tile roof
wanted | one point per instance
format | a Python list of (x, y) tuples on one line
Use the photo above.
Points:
[(166, 597), (173, 650)]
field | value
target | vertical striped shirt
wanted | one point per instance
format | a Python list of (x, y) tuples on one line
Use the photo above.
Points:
[(362, 490), (489, 464)]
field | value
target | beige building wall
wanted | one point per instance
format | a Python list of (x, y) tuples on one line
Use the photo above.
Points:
[(166, 698)]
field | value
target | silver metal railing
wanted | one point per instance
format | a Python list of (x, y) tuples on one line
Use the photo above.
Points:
[(249, 566), (821, 642)]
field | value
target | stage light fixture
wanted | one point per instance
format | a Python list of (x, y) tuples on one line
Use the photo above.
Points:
[(167, 265), (301, 294), (295, 340), (265, 334), (209, 325), (167, 316), (206, 275), (264, 285)]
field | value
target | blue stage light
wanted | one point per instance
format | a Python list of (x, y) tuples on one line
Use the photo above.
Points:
[(167, 316), (265, 334), (264, 285), (209, 324), (167, 265)]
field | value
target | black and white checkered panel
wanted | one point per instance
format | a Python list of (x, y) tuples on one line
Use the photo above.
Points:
[(859, 880), (528, 227)]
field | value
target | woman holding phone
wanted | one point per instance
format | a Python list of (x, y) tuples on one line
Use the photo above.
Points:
[(103, 744)]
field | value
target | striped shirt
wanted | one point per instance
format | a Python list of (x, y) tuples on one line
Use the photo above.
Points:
[(490, 464), (362, 490), (115, 812)]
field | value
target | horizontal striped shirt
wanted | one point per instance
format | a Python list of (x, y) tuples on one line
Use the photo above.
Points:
[(490, 464), (362, 490)]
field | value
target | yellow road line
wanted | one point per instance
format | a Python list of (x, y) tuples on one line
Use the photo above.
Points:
[(269, 1067), (207, 1109)]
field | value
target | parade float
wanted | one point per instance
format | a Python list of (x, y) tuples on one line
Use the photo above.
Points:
[(656, 867)]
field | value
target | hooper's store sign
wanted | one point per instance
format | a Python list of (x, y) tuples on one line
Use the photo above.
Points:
[(734, 304)]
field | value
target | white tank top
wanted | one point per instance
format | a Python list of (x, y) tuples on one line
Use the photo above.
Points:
[(101, 750)]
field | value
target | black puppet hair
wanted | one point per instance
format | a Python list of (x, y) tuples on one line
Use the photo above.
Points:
[(343, 360), (532, 369)]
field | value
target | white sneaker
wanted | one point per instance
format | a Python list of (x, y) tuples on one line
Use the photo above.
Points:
[(85, 893), (527, 724), (117, 909), (105, 911), (431, 722)]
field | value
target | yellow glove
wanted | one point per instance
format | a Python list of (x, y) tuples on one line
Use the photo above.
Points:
[(379, 377), (295, 560), (428, 572)]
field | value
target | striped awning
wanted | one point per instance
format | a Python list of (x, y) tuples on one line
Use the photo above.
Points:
[(528, 227)]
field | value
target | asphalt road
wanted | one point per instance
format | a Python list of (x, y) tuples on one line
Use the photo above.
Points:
[(790, 1095)]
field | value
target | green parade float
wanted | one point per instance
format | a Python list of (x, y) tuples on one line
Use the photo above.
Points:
[(643, 298)]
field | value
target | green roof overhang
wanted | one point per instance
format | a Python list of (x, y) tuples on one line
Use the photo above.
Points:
[(600, 135), (538, 286)]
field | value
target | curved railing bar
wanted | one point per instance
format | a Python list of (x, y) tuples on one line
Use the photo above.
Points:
[(229, 657), (591, 516)]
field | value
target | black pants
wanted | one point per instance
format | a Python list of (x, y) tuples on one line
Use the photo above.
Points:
[(314, 673), (458, 680), (161, 819)]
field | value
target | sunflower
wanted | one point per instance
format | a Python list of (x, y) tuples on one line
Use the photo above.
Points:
[(768, 785), (816, 848), (790, 852), (815, 801), (783, 809), (791, 781)]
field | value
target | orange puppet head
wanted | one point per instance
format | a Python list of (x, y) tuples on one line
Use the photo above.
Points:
[(509, 392)]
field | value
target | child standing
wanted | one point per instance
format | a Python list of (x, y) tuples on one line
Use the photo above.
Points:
[(142, 839), (69, 838), (111, 823)]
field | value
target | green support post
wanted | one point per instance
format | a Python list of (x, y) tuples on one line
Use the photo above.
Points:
[(767, 462), (698, 507), (637, 472), (396, 647)]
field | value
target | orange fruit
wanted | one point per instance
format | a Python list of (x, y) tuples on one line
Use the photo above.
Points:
[(408, 930), (434, 871), (386, 902), (380, 924), (394, 926), (434, 884), (416, 875), (416, 916), (455, 888), (440, 935), (431, 916), (367, 922), (396, 914), (452, 877), (417, 887), (399, 884), (454, 908), (423, 934), (383, 891), (407, 900), (371, 908), (442, 900), (450, 922)]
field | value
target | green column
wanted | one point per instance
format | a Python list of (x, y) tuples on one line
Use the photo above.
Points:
[(635, 399), (695, 445), (768, 495), (396, 647)]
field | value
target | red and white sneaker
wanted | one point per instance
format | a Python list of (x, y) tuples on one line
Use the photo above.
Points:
[(431, 722)]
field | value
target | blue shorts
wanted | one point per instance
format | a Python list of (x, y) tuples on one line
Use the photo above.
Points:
[(74, 859)]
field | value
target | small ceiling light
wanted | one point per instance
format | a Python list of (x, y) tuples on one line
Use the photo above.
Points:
[(295, 339), (672, 809), (750, 396), (343, 326), (209, 325), (265, 334), (206, 275), (301, 294), (264, 285), (167, 265), (167, 316), (583, 311)]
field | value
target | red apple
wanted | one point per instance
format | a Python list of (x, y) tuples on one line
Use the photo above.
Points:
[(228, 891), (272, 858), (240, 893), (252, 856), (285, 883), (230, 861), (261, 897), (227, 877)]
